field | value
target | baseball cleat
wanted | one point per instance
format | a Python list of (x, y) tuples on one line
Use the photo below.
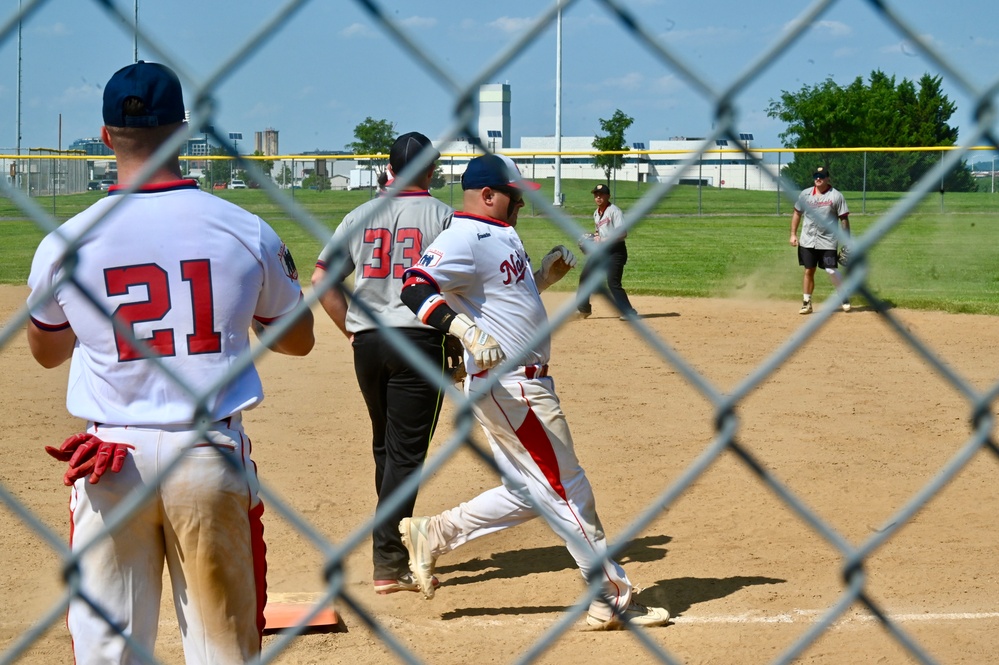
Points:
[(405, 582), (636, 615), (806, 307), (421, 560), (845, 306), (583, 313)]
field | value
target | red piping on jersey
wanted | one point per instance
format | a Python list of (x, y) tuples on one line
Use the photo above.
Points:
[(268, 320), (480, 218), (49, 327), (416, 273), (405, 194), (153, 187)]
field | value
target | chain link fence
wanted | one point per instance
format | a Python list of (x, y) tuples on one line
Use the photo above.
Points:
[(866, 173)]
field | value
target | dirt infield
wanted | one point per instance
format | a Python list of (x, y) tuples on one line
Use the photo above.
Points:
[(855, 424)]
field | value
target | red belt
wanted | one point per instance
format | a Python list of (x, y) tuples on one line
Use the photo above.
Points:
[(530, 371)]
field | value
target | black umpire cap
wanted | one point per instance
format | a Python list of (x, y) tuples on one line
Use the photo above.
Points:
[(406, 148)]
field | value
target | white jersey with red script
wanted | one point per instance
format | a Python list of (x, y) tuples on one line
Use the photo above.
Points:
[(392, 235), (481, 267), (822, 213), (609, 221), (165, 262)]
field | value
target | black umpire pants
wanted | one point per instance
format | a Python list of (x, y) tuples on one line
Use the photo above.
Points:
[(613, 290), (403, 408)]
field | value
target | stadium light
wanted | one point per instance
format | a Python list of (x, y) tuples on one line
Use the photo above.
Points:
[(745, 138), (494, 134)]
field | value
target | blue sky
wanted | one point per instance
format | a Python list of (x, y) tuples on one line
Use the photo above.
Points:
[(331, 65)]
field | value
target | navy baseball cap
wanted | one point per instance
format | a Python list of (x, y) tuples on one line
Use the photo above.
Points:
[(406, 148), (155, 85), (493, 171)]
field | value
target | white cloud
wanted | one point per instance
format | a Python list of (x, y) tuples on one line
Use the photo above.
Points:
[(79, 94), (357, 30), (262, 110), (511, 25), (630, 81), (830, 29), (417, 22), (53, 30)]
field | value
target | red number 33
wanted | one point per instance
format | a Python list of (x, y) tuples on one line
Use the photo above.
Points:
[(198, 274)]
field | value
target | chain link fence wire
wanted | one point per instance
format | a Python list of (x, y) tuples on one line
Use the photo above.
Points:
[(888, 172)]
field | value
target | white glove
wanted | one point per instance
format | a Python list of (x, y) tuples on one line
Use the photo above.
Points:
[(554, 266), (484, 349)]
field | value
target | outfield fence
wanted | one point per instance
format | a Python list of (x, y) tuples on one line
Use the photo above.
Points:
[(937, 167)]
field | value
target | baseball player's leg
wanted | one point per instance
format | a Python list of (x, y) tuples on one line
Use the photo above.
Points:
[(525, 421), (122, 575), (214, 544), (413, 406), (495, 509), (615, 274), (583, 299)]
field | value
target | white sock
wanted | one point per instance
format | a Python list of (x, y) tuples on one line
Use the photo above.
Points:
[(808, 297)]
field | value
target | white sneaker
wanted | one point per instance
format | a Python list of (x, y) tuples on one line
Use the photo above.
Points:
[(421, 561), (806, 307), (636, 615), (845, 306)]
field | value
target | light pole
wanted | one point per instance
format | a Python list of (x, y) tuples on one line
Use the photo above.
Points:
[(493, 135), (745, 138), (638, 175), (235, 137), (558, 109), (721, 143)]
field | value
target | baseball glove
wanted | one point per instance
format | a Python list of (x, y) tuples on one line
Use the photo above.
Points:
[(844, 256), (455, 358), (586, 242)]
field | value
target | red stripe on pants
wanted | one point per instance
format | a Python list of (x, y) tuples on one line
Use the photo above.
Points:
[(536, 441)]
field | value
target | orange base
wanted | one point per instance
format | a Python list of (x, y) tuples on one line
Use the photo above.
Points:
[(282, 616)]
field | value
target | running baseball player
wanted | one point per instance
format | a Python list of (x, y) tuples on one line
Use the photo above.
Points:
[(377, 242), (476, 282), (184, 275), (823, 206)]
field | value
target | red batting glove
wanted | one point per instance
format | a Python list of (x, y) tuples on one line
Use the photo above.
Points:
[(88, 455), (108, 452)]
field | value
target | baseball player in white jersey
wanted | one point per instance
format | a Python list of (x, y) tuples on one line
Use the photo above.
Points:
[(185, 274), (823, 208), (476, 282), (377, 242)]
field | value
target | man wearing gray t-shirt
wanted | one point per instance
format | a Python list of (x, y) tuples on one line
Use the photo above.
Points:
[(822, 207), (377, 242)]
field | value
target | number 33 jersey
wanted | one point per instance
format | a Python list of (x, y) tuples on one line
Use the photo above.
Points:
[(185, 272)]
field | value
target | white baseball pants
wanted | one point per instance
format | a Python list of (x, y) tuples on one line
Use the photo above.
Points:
[(530, 439), (204, 521)]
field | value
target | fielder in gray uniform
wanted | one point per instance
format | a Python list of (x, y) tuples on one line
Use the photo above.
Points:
[(382, 238), (823, 207)]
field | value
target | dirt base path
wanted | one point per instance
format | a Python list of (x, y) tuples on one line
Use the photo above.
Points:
[(854, 423)]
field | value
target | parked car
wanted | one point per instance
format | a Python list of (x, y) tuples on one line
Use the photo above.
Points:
[(94, 186), (237, 184), (106, 185)]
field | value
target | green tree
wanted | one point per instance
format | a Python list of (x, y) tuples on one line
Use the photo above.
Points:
[(313, 180), (878, 114), (612, 140), (217, 170), (284, 177), (373, 137), (437, 181), (266, 165)]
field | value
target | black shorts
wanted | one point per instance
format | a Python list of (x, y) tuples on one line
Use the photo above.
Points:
[(810, 257)]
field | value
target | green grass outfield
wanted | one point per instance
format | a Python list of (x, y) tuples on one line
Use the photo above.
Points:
[(697, 243)]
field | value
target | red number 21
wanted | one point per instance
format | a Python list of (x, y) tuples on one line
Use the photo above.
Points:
[(198, 274)]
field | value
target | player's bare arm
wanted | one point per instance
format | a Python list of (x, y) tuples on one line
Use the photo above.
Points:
[(50, 348), (298, 340), (795, 221), (333, 300)]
